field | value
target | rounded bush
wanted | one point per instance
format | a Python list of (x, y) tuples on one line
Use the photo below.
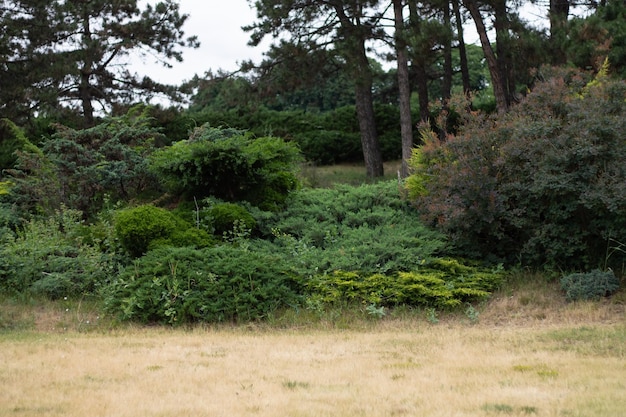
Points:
[(589, 285), (137, 227), (224, 216)]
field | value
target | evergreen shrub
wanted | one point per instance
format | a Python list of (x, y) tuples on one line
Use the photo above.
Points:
[(589, 285), (84, 169), (368, 228), (185, 285), (441, 283), (223, 217), (138, 227), (230, 165), (12, 140)]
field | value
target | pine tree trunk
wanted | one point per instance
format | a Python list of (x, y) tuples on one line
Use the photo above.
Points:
[(558, 13), (406, 125), (498, 86), (367, 126), (465, 78), (419, 66), (447, 58)]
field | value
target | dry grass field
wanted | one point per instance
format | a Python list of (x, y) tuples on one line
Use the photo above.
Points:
[(527, 354)]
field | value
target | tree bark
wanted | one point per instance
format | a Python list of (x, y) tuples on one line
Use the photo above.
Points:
[(447, 58), (359, 67), (404, 89), (419, 64), (367, 126), (84, 88), (498, 86), (503, 48), (558, 14), (465, 78)]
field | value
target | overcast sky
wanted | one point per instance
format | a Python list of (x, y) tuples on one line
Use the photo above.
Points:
[(223, 44)]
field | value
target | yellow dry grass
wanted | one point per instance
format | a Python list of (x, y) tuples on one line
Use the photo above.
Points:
[(528, 354), (391, 369)]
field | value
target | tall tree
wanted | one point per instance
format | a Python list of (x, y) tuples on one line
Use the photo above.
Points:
[(82, 53), (420, 53), (343, 27), (499, 89), (558, 14), (465, 76), (404, 88)]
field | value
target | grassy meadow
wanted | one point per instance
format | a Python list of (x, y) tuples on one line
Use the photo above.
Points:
[(524, 353)]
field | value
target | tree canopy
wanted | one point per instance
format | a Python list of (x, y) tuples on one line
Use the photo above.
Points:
[(77, 53)]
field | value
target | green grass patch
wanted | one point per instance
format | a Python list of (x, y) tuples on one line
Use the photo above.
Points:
[(592, 341)]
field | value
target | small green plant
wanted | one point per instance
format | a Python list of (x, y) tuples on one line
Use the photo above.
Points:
[(431, 316), (292, 385), (376, 312), (472, 314), (498, 408), (590, 285)]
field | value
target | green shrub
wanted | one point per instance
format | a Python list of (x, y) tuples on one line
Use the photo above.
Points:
[(86, 169), (138, 227), (189, 237), (435, 284), (12, 140), (184, 285), (544, 185), (589, 285), (368, 228), (223, 217), (230, 165), (51, 257)]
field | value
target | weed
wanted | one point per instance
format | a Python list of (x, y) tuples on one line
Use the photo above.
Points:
[(293, 385), (431, 316), (376, 312), (498, 408), (472, 314)]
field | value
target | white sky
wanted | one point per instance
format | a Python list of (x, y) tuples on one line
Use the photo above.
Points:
[(223, 44)]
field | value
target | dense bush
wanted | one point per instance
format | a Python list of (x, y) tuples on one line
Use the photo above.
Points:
[(590, 285), (144, 227), (184, 285), (12, 140), (222, 218), (367, 228), (86, 169), (230, 165), (51, 257), (543, 185)]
